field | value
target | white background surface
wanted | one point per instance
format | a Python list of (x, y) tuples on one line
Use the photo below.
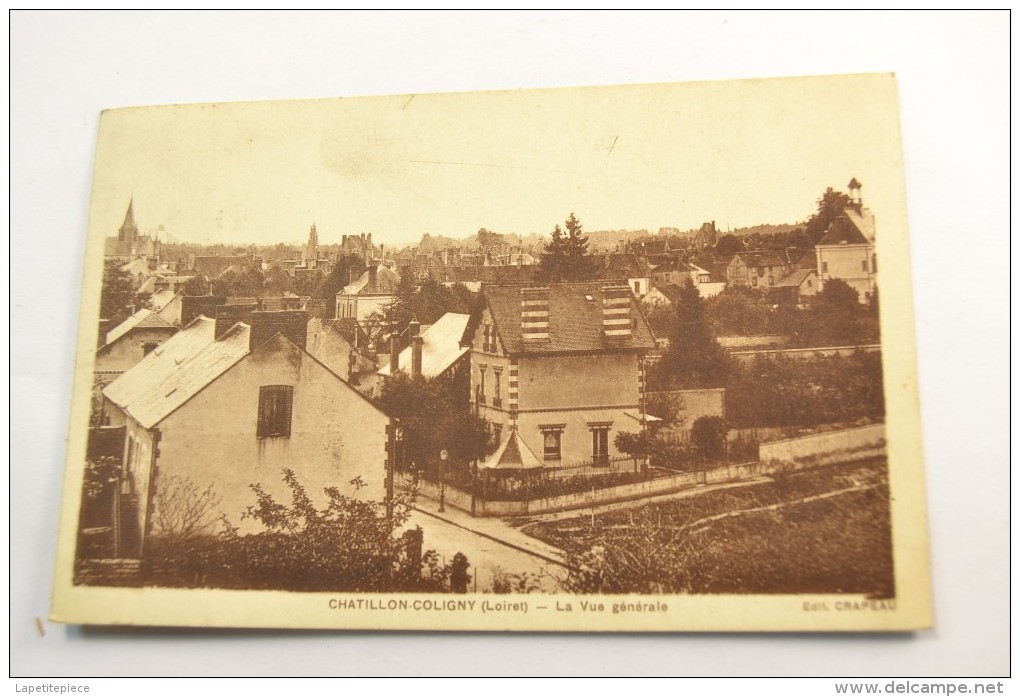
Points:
[(954, 83)]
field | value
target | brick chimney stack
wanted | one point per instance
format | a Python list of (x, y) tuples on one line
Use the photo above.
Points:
[(194, 305), (616, 320), (293, 324), (229, 315), (417, 343), (535, 314)]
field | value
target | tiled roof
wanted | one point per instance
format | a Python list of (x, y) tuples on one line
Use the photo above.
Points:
[(177, 369), (795, 278), (758, 259), (440, 347), (575, 322)]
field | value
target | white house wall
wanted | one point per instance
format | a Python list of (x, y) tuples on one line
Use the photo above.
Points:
[(336, 435)]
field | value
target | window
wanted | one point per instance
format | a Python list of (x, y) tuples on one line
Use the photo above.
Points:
[(825, 267), (637, 287), (552, 445), (485, 338), (551, 440), (874, 264), (275, 405), (496, 399), (864, 265), (600, 443), (481, 384), (497, 434)]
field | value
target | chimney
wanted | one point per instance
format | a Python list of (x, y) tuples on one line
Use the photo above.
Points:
[(417, 342), (229, 315), (293, 324), (414, 328), (535, 314), (394, 353), (194, 305), (616, 320)]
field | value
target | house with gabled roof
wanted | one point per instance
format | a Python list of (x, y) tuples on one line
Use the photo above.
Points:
[(796, 289), (561, 368), (370, 294), (847, 250), (757, 269), (134, 338), (229, 404)]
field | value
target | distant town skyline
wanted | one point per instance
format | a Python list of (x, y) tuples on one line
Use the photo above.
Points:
[(741, 153)]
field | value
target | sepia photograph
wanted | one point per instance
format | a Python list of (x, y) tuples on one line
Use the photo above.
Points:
[(603, 358)]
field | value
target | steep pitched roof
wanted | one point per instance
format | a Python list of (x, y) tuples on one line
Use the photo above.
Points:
[(512, 454), (623, 265), (175, 371), (575, 320), (440, 346), (386, 281), (850, 228)]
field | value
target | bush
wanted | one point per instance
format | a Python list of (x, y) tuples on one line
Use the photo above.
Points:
[(708, 433)]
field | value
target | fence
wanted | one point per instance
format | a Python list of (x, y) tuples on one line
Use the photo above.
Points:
[(845, 445)]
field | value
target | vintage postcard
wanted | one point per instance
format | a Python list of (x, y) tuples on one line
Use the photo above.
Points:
[(632, 358)]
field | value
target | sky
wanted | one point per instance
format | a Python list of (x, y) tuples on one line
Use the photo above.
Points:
[(628, 157)]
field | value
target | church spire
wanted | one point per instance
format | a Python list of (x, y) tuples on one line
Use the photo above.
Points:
[(129, 230)]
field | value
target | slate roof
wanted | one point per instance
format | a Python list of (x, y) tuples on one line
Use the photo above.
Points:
[(623, 265), (386, 282), (851, 228), (440, 346), (575, 322), (486, 274), (142, 319), (176, 370)]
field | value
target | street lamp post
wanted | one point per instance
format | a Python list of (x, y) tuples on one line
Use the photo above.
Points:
[(443, 456)]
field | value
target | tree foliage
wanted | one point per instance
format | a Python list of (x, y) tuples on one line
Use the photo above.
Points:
[(425, 301), (118, 298), (708, 434), (434, 416), (797, 392), (565, 257), (246, 281), (830, 206), (694, 358), (348, 268)]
